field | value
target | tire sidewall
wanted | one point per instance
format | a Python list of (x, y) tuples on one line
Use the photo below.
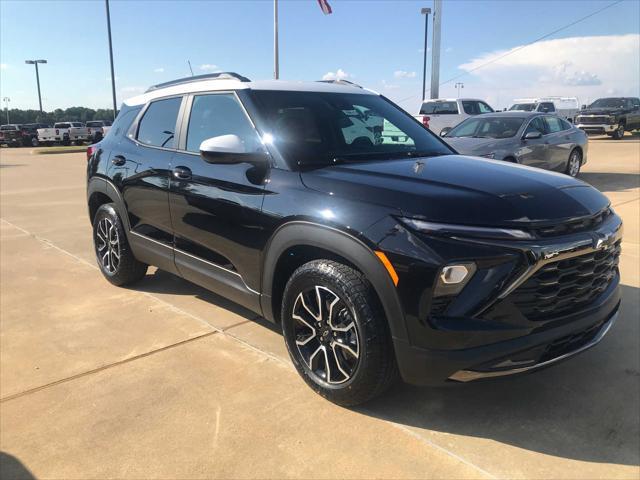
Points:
[(574, 153), (107, 211)]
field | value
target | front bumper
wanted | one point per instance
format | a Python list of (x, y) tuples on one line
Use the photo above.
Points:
[(597, 129)]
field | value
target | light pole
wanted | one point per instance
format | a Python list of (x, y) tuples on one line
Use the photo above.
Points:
[(36, 62), (113, 78), (425, 12), (276, 48), (6, 101), (459, 85)]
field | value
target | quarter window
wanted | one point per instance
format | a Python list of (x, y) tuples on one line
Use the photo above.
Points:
[(219, 114), (158, 125)]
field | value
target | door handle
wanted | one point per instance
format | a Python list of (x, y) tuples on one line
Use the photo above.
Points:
[(119, 160), (182, 173)]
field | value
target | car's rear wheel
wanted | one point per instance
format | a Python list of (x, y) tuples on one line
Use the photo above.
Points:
[(336, 333), (574, 163), (619, 132), (113, 253)]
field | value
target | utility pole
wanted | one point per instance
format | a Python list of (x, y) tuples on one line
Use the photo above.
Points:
[(425, 12), (276, 59), (6, 101), (36, 62), (459, 85), (113, 77), (435, 49)]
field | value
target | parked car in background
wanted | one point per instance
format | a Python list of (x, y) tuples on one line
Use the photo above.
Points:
[(64, 133), (565, 107), (14, 135), (441, 113), (611, 116), (529, 138), (98, 129), (374, 258)]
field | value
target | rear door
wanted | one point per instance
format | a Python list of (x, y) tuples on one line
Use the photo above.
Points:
[(534, 152), (139, 168), (215, 208), (559, 141)]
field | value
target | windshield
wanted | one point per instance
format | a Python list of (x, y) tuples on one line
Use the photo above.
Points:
[(94, 124), (62, 125), (321, 128), (608, 103), (495, 127), (525, 107)]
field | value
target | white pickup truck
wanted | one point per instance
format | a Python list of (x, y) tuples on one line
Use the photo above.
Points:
[(565, 107), (440, 113), (98, 129), (65, 133)]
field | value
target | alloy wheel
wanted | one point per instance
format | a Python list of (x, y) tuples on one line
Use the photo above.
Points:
[(326, 335), (108, 245), (574, 164)]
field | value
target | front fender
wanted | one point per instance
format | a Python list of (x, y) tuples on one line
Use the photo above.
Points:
[(302, 233)]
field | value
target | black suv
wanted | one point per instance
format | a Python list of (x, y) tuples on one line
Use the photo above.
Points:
[(328, 209), (610, 116)]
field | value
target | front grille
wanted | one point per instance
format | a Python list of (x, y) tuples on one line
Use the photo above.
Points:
[(595, 120), (568, 285), (570, 343), (574, 226)]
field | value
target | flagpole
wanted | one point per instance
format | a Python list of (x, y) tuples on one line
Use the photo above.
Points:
[(276, 60)]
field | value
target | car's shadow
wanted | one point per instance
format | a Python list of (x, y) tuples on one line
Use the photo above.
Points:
[(585, 409), (611, 182)]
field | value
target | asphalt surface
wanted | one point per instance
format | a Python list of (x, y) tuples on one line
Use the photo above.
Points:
[(167, 380)]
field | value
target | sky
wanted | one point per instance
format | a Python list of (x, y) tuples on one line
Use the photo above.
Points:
[(377, 44)]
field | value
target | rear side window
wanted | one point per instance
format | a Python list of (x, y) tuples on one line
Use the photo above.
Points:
[(158, 125), (441, 108), (554, 124), (216, 115), (472, 107)]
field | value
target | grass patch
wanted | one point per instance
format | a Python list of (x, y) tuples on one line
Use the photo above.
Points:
[(60, 149)]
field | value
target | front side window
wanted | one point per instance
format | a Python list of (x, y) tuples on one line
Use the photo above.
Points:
[(546, 107), (495, 127), (439, 108), (216, 115), (554, 125), (474, 107), (321, 128), (158, 125), (536, 125), (608, 103)]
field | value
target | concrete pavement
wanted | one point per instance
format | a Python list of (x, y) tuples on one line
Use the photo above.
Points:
[(167, 380)]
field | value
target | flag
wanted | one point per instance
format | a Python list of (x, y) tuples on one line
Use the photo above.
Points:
[(324, 5)]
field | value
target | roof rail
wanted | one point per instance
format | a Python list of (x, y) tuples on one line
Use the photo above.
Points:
[(341, 81), (198, 78)]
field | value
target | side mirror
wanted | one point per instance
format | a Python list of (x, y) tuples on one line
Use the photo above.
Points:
[(444, 131), (532, 135), (584, 107), (229, 149)]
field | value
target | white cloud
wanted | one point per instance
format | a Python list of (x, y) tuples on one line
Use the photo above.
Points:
[(583, 67), (389, 86), (339, 75), (132, 89), (404, 74), (208, 67), (159, 70)]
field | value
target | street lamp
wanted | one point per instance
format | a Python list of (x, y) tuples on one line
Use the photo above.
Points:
[(36, 62), (425, 12), (6, 101), (459, 85)]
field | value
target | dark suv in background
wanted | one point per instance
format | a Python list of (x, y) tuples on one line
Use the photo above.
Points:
[(377, 253)]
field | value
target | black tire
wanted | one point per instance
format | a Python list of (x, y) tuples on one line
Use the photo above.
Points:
[(79, 142), (510, 160), (619, 133), (574, 162), (115, 260), (358, 357)]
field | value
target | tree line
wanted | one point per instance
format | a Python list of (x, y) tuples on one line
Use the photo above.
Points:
[(72, 114)]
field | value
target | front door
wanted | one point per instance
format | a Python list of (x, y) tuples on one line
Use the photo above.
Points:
[(533, 152), (215, 208)]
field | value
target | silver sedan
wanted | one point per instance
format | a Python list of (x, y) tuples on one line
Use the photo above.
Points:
[(530, 138)]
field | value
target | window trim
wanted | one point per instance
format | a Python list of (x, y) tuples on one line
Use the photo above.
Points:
[(132, 133), (524, 132)]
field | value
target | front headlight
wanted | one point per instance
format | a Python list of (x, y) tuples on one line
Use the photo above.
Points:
[(449, 230)]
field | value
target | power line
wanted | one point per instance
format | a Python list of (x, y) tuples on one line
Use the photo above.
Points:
[(500, 57)]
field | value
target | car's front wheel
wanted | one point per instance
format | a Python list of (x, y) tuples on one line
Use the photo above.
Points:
[(113, 253), (619, 132), (336, 333)]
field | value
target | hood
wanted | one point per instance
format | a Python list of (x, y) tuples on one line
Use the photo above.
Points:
[(475, 146), (601, 111), (461, 190)]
